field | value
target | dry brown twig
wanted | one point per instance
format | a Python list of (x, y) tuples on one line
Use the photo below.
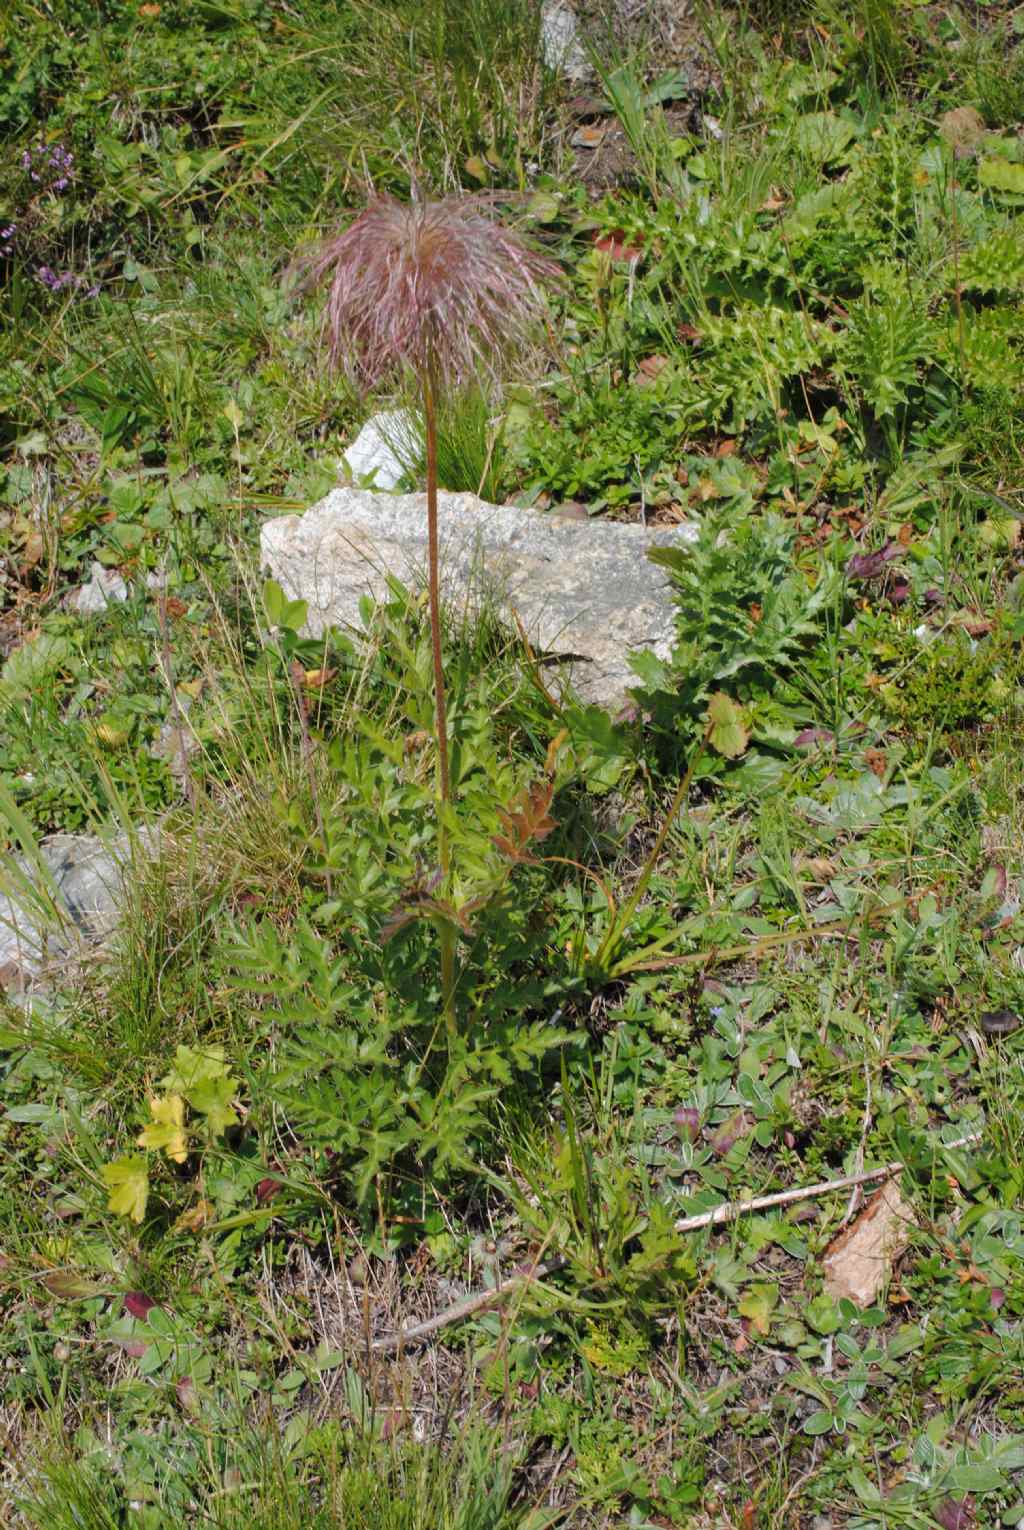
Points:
[(729, 1211)]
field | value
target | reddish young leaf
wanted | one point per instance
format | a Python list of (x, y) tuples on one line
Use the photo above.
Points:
[(139, 1305), (617, 244), (870, 565), (525, 819), (686, 1121), (955, 1513), (185, 1388), (813, 736), (729, 1133)]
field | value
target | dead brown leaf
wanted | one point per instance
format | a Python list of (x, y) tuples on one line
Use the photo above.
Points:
[(859, 1261), (877, 762), (648, 369)]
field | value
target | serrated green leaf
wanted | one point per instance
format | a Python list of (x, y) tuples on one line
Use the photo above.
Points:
[(823, 135), (673, 558)]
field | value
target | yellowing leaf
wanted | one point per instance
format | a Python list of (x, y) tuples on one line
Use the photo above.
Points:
[(127, 1179), (112, 734), (758, 1305), (193, 1066), (167, 1128), (727, 731), (316, 679), (196, 1217)]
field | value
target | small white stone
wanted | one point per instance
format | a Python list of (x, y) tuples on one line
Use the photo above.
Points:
[(380, 455), (105, 587)]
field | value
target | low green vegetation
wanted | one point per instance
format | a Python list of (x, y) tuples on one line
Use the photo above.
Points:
[(360, 1046)]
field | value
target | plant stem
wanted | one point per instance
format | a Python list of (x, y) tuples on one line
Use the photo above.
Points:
[(446, 933), (440, 709)]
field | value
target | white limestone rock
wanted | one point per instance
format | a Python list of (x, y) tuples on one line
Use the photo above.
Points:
[(584, 590), (77, 901), (105, 587), (383, 449), (561, 44)]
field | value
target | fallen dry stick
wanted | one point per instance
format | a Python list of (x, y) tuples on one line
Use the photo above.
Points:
[(729, 1211)]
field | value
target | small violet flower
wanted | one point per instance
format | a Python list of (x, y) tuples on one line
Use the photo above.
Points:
[(49, 278), (57, 283), (54, 163)]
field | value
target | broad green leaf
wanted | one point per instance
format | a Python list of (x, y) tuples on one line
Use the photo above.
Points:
[(127, 1179), (31, 662), (293, 617), (907, 1339), (1000, 175), (819, 1422), (823, 135), (727, 731), (977, 1477), (274, 602), (1009, 1453), (866, 1491), (167, 1128), (212, 1099), (544, 206)]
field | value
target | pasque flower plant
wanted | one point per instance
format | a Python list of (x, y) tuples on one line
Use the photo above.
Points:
[(444, 292)]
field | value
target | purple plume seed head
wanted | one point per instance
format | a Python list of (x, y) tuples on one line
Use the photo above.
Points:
[(440, 287)]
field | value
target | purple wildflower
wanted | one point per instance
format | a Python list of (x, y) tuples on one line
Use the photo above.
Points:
[(49, 278), (54, 164)]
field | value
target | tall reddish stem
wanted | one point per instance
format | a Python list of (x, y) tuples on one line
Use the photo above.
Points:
[(446, 931), (440, 708)]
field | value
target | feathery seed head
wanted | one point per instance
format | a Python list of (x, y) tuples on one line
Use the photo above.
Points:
[(441, 287)]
